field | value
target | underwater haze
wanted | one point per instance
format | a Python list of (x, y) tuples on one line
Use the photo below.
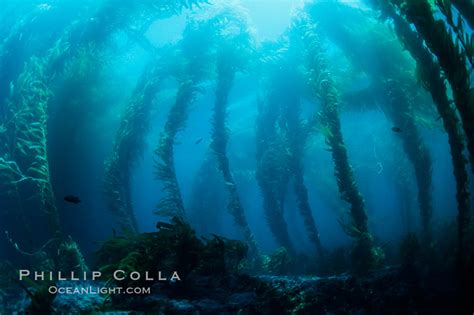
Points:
[(311, 157)]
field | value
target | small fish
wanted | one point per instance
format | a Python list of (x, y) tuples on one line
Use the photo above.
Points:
[(72, 199), (229, 184), (198, 140), (396, 129)]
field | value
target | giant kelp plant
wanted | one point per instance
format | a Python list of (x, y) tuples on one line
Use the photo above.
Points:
[(400, 109), (233, 51), (298, 132), (365, 254), (129, 146), (172, 204), (298, 135), (282, 135), (195, 60), (392, 77), (273, 173), (29, 137)]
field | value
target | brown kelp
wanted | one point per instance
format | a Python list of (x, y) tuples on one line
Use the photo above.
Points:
[(129, 146), (431, 76), (28, 148), (298, 131), (392, 75), (195, 54), (365, 255), (233, 49), (273, 173), (399, 109), (451, 57), (297, 136), (29, 135), (172, 204)]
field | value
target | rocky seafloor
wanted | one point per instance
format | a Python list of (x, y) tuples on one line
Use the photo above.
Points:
[(384, 291)]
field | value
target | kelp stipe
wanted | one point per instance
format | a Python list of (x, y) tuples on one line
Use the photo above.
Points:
[(129, 146), (233, 50), (399, 110), (298, 131), (219, 145), (297, 143), (172, 204), (365, 255), (195, 55), (272, 172)]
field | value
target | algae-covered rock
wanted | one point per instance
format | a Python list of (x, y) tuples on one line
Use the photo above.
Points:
[(174, 247)]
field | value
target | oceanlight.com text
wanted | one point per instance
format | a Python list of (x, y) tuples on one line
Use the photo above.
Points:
[(93, 290)]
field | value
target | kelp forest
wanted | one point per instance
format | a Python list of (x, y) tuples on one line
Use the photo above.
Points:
[(237, 157)]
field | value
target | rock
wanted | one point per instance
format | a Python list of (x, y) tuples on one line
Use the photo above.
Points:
[(242, 299), (207, 306), (78, 302), (184, 307)]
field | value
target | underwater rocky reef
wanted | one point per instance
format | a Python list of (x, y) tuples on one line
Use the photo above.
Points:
[(236, 157)]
